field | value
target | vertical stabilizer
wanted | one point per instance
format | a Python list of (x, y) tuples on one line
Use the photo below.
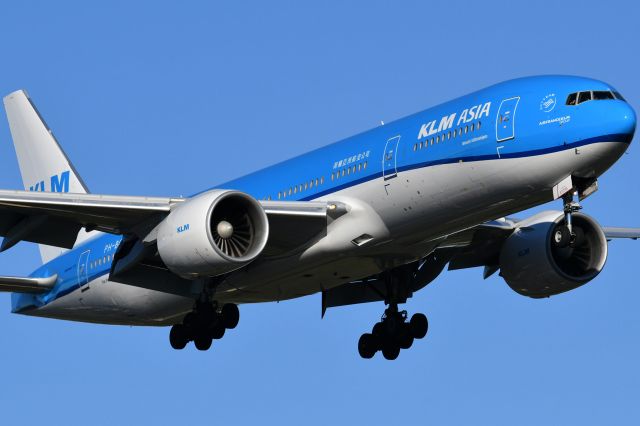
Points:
[(43, 164)]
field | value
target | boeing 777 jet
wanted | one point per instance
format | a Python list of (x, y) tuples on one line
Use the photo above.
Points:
[(372, 218)]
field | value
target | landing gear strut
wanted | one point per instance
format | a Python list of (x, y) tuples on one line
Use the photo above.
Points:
[(393, 332), (566, 235), (203, 325)]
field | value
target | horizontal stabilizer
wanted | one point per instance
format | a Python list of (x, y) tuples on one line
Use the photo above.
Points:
[(27, 284)]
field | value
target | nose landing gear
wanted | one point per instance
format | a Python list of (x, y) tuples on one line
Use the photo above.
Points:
[(566, 235), (203, 325)]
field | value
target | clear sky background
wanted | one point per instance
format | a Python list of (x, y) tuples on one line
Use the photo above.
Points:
[(169, 98)]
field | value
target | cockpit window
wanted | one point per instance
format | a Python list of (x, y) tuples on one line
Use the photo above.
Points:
[(601, 95), (596, 95), (619, 96), (584, 97)]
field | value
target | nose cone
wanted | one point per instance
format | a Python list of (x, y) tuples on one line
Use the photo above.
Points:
[(625, 121)]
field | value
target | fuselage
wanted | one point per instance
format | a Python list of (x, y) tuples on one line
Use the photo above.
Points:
[(409, 183)]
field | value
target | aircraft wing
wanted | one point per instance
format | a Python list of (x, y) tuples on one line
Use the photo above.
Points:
[(27, 284), (55, 218), (474, 247), (612, 232)]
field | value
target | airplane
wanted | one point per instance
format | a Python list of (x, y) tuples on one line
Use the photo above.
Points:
[(372, 218)]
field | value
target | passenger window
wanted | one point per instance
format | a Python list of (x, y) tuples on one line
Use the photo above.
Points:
[(437, 139), (472, 125), (415, 146), (572, 99), (321, 180), (317, 181), (479, 124), (602, 95), (365, 165), (584, 97)]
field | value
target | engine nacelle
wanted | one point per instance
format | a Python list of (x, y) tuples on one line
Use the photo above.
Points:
[(533, 265), (213, 233)]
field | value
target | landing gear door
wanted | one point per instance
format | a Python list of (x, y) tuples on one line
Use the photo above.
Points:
[(83, 266), (505, 121), (390, 157)]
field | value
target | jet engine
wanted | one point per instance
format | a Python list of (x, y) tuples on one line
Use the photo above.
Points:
[(213, 233), (534, 264)]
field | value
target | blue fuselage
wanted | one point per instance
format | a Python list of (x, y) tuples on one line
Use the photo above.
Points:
[(521, 118)]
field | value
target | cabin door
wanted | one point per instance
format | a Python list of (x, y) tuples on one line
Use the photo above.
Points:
[(83, 268), (505, 121), (390, 157)]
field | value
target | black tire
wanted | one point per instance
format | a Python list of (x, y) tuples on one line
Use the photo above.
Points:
[(367, 346), (561, 236), (419, 325), (217, 330), (203, 342), (230, 315), (390, 351), (405, 338), (178, 337), (378, 330)]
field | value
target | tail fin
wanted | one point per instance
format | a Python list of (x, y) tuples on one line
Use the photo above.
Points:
[(43, 164)]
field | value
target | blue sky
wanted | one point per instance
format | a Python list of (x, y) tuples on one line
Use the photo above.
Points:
[(168, 98)]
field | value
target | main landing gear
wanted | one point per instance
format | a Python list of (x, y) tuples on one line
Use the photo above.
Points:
[(394, 332), (203, 325), (567, 235)]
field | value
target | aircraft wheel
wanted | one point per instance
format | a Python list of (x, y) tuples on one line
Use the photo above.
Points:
[(178, 337), (217, 330), (419, 325), (390, 351), (405, 338), (203, 341), (367, 346), (378, 330), (230, 315)]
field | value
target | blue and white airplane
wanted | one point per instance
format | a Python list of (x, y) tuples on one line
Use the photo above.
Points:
[(375, 217)]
